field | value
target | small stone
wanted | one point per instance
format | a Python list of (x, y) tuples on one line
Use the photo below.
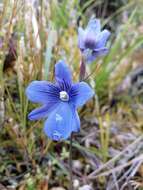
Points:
[(57, 188), (77, 165), (86, 187), (76, 183)]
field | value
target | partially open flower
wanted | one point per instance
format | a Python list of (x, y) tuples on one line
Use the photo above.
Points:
[(92, 40)]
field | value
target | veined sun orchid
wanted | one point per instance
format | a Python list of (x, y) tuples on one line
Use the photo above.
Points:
[(92, 40), (60, 101)]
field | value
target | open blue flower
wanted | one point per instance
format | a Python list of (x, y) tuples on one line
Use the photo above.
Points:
[(60, 101), (92, 40)]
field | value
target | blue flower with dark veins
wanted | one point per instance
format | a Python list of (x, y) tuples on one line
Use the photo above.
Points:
[(92, 40), (60, 101)]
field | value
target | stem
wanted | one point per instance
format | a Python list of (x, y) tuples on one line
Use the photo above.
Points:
[(97, 67), (82, 70), (70, 165)]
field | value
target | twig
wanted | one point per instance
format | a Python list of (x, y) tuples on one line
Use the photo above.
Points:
[(115, 181), (116, 169), (116, 157)]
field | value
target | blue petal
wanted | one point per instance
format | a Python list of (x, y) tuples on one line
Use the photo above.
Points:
[(61, 122), (41, 112), (90, 41), (102, 39), (80, 93), (62, 72), (91, 56), (93, 26), (81, 35), (42, 92), (100, 52), (87, 38), (91, 33)]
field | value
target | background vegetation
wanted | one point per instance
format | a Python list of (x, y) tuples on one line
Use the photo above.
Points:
[(108, 152)]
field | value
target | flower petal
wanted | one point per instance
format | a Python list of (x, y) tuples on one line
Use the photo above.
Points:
[(41, 112), (100, 52), (81, 35), (102, 39), (61, 122), (63, 75), (93, 26), (80, 93), (92, 32), (91, 56), (42, 92)]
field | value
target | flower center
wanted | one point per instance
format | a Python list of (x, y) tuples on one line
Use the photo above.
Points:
[(64, 96), (90, 42)]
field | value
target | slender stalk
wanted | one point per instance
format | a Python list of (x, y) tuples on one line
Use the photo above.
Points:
[(82, 70), (70, 165)]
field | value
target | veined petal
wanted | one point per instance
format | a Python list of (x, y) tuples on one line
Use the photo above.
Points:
[(42, 92), (91, 56), (102, 39), (93, 26), (62, 71), (61, 122), (42, 112), (100, 52), (80, 93), (63, 75), (81, 35)]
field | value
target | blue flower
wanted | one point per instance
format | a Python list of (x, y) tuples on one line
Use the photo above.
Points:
[(59, 102), (92, 40)]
